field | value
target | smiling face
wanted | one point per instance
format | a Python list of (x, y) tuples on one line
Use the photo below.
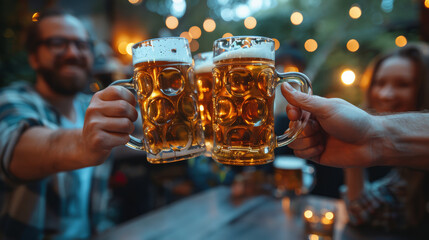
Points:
[(394, 87), (62, 59)]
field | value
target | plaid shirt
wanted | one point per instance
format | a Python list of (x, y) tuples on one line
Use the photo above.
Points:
[(34, 209), (395, 202)]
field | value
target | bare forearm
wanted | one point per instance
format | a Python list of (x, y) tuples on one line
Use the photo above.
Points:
[(405, 140), (42, 151)]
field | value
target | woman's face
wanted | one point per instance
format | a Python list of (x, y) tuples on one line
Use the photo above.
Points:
[(395, 87)]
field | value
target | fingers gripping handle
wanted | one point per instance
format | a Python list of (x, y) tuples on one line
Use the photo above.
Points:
[(295, 127), (134, 142)]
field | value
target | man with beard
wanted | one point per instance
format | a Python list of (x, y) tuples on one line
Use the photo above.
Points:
[(55, 141)]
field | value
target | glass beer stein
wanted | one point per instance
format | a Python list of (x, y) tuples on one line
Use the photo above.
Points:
[(204, 79), (164, 82), (244, 89)]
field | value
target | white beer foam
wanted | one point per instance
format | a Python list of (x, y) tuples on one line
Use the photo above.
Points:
[(203, 67), (289, 162), (263, 50), (162, 49)]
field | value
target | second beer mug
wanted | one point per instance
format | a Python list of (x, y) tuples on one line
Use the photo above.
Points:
[(164, 82), (244, 87)]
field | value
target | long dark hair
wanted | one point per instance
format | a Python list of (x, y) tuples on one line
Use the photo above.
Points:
[(418, 54)]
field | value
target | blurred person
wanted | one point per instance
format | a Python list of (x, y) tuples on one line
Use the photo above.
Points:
[(55, 141), (398, 201)]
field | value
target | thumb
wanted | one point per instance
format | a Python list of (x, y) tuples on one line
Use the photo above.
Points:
[(304, 101)]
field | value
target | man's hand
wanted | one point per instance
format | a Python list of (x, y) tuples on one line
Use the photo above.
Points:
[(338, 133), (108, 122)]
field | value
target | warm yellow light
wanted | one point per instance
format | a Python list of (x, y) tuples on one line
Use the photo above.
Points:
[(296, 18), (186, 35), (135, 2), (427, 3), (308, 214), (250, 22), (35, 17), (122, 47), (201, 108), (171, 22), (195, 32), (129, 51), (227, 35), (290, 68), (194, 45), (276, 44), (310, 45), (329, 215), (313, 237), (401, 41), (352, 45), (348, 77), (355, 12), (209, 25)]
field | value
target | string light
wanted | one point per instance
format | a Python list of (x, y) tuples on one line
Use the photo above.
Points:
[(227, 35), (401, 41), (355, 12), (352, 45), (129, 45), (276, 44), (427, 3), (348, 77), (35, 17), (250, 22), (310, 45), (195, 32), (209, 25), (296, 18), (186, 35), (171, 22)]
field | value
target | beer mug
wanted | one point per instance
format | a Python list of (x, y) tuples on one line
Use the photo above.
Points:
[(244, 89), (164, 82), (292, 176), (204, 79)]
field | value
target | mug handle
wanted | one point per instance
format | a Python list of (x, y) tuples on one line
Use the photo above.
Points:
[(295, 127), (134, 142)]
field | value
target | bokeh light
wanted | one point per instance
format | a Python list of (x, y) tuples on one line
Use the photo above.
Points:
[(348, 77), (313, 237), (171, 22), (296, 18), (427, 3), (308, 214), (35, 17), (122, 47), (186, 35), (310, 45), (195, 32), (128, 48), (352, 45), (276, 44), (209, 25), (355, 12), (135, 2), (329, 215), (227, 35), (194, 45), (401, 41), (250, 22)]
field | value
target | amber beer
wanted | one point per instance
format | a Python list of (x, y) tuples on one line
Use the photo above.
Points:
[(243, 99), (204, 81), (164, 81), (288, 175)]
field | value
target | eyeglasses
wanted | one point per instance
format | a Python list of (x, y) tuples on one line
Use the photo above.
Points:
[(59, 44)]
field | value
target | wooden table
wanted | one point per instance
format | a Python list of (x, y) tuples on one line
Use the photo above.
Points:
[(211, 215)]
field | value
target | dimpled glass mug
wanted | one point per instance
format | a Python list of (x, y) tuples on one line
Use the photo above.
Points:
[(204, 80), (243, 99), (164, 82)]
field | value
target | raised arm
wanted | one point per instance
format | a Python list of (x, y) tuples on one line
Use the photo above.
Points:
[(41, 151), (340, 134)]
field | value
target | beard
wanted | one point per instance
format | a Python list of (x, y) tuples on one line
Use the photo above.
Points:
[(67, 85)]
